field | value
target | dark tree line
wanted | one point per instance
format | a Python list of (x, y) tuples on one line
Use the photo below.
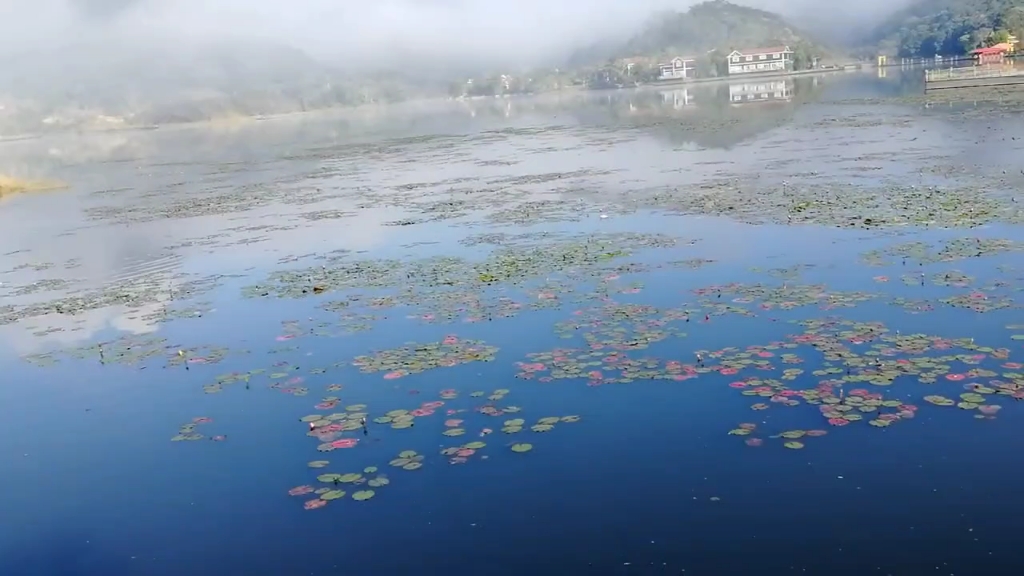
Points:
[(950, 27)]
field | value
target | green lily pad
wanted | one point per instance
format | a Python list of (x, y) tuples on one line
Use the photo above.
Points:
[(369, 470), (332, 494), (363, 495), (794, 445), (318, 463), (328, 477), (474, 445), (522, 447)]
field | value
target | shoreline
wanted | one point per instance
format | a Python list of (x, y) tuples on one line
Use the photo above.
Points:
[(363, 108), (745, 77)]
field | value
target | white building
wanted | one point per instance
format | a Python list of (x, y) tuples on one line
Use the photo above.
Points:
[(761, 60), (679, 68)]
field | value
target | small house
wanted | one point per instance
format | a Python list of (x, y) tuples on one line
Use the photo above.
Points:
[(679, 68)]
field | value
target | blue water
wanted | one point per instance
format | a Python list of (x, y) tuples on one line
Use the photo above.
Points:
[(647, 482)]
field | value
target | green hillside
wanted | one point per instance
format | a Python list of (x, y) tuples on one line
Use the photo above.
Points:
[(947, 27), (708, 31), (713, 25)]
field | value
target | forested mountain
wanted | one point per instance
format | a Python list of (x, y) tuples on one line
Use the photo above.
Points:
[(712, 25), (947, 27), (707, 31)]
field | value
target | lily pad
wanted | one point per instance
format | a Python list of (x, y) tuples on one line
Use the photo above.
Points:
[(522, 447)]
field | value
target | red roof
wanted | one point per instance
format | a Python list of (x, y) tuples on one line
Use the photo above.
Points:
[(770, 50), (997, 49)]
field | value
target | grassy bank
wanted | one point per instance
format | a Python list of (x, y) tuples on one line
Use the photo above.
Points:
[(13, 185)]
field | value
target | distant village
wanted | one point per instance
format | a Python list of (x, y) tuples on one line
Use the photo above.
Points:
[(769, 61)]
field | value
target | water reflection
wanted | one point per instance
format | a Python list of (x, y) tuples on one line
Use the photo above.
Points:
[(761, 91)]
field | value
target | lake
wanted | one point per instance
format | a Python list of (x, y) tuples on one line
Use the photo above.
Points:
[(763, 327)]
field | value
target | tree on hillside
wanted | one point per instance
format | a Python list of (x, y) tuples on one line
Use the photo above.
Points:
[(947, 27), (1013, 20), (998, 37)]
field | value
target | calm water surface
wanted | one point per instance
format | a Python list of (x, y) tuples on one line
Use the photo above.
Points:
[(162, 232)]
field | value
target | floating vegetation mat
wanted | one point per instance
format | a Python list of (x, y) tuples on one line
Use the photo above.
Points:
[(415, 358), (135, 350), (858, 363), (581, 258), (924, 253), (475, 414), (132, 294)]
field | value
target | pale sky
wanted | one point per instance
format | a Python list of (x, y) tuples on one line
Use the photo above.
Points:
[(361, 31)]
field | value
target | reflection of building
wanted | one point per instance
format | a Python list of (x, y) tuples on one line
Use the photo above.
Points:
[(679, 68), (678, 98), (773, 90), (761, 60)]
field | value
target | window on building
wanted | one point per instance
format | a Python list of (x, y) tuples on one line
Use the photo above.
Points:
[(735, 58), (749, 58), (760, 56)]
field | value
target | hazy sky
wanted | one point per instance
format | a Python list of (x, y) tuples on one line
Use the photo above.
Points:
[(360, 31)]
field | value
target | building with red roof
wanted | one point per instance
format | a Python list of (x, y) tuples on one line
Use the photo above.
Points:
[(992, 54)]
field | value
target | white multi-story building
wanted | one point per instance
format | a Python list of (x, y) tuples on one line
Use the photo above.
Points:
[(761, 60)]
